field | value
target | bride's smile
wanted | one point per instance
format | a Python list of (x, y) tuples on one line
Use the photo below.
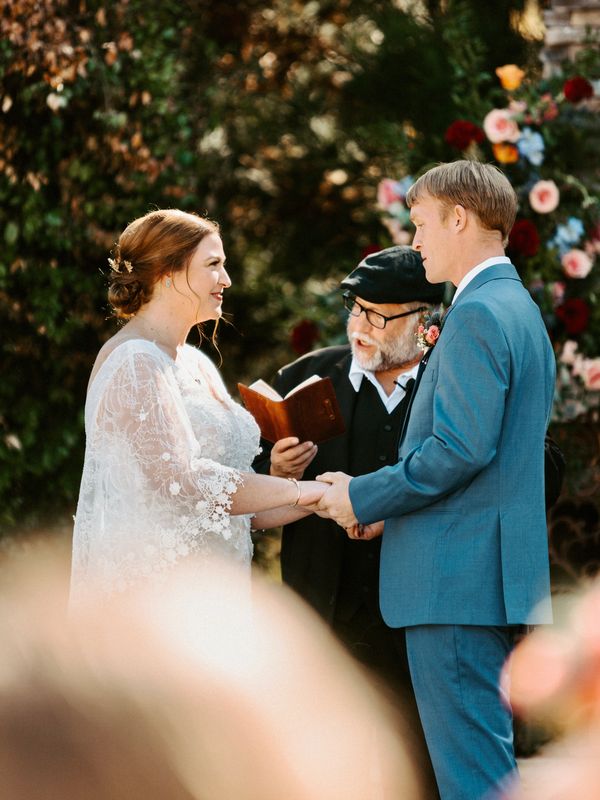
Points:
[(204, 280)]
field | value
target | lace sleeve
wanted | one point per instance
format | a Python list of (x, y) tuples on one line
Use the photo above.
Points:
[(142, 411), (148, 497)]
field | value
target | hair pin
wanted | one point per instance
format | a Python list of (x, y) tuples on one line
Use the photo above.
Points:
[(115, 264)]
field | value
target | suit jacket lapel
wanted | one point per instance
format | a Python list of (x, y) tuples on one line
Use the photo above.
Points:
[(420, 372)]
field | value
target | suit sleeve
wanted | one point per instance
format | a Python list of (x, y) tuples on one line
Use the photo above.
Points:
[(468, 410)]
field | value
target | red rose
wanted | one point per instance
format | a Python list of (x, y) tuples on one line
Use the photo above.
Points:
[(577, 88), (369, 250), (303, 336), (524, 240), (574, 315), (461, 133)]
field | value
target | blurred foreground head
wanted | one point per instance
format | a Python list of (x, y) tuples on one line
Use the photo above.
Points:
[(197, 690), (555, 680)]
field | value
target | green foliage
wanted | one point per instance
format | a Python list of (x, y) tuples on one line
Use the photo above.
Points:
[(545, 134), (276, 118)]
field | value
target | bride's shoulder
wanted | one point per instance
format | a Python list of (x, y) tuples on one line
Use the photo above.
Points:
[(193, 355), (122, 349)]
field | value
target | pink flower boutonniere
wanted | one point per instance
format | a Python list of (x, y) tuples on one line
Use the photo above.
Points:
[(429, 329)]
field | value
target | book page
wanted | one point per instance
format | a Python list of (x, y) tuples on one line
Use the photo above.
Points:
[(262, 387), (307, 382)]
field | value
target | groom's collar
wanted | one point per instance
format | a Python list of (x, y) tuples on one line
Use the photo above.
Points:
[(472, 273), (503, 270)]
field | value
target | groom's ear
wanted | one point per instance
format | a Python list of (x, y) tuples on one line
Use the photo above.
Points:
[(459, 218)]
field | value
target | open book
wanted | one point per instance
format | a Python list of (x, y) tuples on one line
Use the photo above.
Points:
[(309, 411)]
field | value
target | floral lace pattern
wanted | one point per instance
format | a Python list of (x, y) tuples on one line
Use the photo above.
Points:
[(165, 448)]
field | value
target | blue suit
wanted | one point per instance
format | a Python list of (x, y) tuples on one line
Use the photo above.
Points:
[(465, 541)]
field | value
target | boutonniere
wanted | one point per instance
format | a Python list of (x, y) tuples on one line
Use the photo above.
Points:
[(429, 329)]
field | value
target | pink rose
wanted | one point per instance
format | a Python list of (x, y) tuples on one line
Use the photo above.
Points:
[(549, 107), (544, 197), (591, 373), (569, 352), (592, 246), (387, 193), (499, 126), (576, 264), (517, 107), (396, 231), (432, 335)]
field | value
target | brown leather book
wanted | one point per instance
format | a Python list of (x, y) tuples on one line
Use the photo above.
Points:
[(310, 411)]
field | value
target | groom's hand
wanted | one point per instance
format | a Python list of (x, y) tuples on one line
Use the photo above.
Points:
[(365, 532), (336, 499)]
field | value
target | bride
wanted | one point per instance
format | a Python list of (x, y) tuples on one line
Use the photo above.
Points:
[(167, 471)]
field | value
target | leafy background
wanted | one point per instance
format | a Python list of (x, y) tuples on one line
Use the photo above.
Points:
[(277, 119)]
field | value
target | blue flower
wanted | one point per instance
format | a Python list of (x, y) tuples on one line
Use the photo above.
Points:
[(567, 235), (404, 185), (531, 146)]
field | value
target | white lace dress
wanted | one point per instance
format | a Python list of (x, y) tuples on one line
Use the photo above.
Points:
[(163, 458)]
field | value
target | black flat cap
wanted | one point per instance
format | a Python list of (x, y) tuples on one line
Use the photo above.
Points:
[(393, 275)]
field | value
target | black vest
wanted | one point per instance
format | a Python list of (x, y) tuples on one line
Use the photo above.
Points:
[(373, 440)]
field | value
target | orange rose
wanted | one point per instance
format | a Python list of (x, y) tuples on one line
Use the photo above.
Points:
[(510, 76), (505, 153)]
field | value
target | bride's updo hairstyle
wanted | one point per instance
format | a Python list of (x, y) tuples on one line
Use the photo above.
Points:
[(159, 243)]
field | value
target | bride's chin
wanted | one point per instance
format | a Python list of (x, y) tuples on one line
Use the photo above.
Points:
[(217, 314)]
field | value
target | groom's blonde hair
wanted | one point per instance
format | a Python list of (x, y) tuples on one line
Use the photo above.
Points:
[(480, 188)]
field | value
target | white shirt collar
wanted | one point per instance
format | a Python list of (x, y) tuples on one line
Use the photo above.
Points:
[(489, 262), (357, 373)]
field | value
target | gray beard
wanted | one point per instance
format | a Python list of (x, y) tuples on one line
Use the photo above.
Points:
[(389, 355)]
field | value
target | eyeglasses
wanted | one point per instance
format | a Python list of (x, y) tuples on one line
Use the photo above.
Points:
[(374, 318)]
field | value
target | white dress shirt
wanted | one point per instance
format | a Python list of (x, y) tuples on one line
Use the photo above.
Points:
[(357, 373)]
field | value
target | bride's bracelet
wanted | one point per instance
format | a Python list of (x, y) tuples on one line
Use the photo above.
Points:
[(294, 481)]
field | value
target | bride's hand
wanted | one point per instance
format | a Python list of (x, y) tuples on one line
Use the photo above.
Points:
[(310, 493)]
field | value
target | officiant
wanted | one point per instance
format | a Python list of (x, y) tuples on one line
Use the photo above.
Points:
[(373, 375)]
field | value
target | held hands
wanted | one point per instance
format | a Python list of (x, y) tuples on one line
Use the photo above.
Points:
[(311, 493), (290, 457), (336, 500)]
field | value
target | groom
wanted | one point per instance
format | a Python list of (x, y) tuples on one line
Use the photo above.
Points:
[(464, 559)]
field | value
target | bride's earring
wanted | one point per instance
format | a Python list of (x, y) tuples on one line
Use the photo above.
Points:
[(168, 283)]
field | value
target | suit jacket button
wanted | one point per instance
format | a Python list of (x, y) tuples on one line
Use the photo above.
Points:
[(383, 458), (387, 427)]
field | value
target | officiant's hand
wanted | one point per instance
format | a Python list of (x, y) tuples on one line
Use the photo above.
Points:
[(290, 457), (336, 500)]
